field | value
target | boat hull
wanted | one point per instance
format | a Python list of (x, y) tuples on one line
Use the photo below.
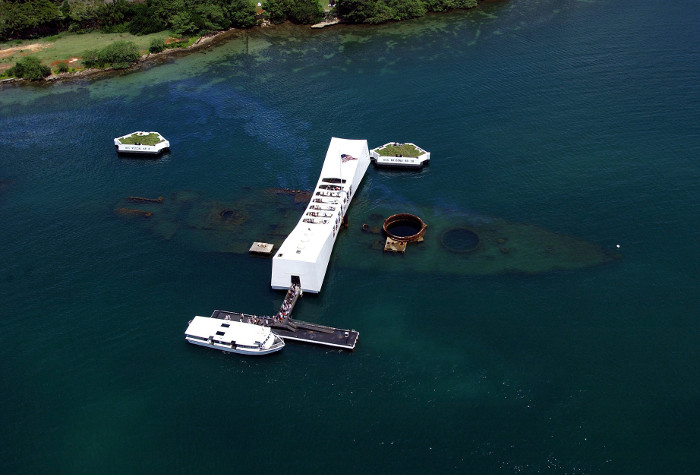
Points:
[(232, 336), (237, 349)]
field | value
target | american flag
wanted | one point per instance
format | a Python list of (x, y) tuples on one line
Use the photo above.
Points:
[(345, 157)]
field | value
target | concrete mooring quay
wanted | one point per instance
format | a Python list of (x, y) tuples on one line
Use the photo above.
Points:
[(288, 329)]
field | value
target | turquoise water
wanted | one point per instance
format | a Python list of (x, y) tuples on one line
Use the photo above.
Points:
[(578, 117)]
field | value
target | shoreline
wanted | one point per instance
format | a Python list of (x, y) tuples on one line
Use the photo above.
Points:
[(204, 42), (144, 61)]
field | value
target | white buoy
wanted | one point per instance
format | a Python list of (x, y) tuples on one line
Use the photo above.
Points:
[(618, 246)]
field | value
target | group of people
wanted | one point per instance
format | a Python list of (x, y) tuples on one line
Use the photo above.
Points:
[(288, 303), (286, 308)]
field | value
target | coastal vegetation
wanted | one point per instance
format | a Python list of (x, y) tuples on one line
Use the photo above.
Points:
[(30, 67), (157, 45), (297, 11), (21, 19), (155, 25), (399, 149), (119, 55), (382, 11), (39, 18), (138, 139), (64, 52)]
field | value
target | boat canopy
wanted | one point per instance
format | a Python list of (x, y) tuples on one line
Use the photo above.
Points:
[(227, 331)]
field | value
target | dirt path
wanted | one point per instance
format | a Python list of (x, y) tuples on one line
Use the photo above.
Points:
[(31, 48), (20, 51)]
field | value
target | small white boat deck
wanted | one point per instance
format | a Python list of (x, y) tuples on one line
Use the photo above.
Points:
[(232, 336)]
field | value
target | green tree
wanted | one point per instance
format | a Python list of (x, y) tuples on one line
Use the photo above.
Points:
[(213, 16), (357, 11), (120, 55), (28, 19), (379, 11), (115, 16), (304, 11), (149, 17), (275, 10), (65, 11), (186, 23), (442, 5), (297, 11), (29, 67), (83, 15), (241, 13), (157, 45), (407, 9)]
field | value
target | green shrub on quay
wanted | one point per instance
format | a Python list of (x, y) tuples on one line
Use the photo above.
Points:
[(157, 45), (29, 67), (120, 55)]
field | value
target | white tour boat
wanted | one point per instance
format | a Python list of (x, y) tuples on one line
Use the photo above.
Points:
[(304, 255), (233, 336)]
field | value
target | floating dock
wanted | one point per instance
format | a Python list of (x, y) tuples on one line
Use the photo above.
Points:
[(320, 335), (296, 330)]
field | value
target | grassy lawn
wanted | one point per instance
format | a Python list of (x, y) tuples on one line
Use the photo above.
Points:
[(404, 150), (133, 139), (69, 47), (65, 46)]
